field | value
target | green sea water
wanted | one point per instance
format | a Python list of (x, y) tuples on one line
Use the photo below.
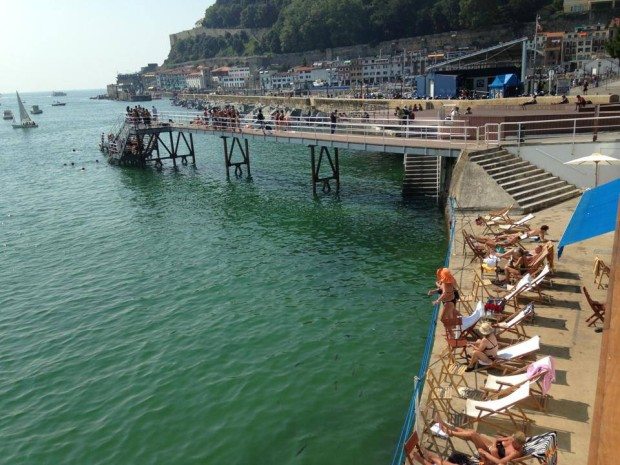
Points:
[(174, 317)]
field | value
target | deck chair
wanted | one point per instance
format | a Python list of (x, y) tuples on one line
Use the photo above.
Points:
[(514, 323), (479, 252), (601, 271), (469, 322), (536, 284), (514, 357), (541, 449), (504, 408), (519, 225), (598, 309), (412, 445), (450, 371), (453, 331), (498, 386), (500, 215)]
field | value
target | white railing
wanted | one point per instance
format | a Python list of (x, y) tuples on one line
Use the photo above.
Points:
[(351, 129), (569, 130)]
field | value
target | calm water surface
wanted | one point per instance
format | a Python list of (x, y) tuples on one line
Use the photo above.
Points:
[(173, 317)]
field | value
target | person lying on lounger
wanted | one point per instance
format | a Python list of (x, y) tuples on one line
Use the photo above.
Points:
[(497, 450)]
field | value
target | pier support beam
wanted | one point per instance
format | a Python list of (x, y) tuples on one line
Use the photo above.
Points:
[(244, 150), (334, 165)]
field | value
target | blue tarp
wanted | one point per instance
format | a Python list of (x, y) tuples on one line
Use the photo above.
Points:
[(595, 214), (504, 80)]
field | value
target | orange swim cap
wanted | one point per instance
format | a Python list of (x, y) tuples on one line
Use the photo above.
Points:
[(445, 276)]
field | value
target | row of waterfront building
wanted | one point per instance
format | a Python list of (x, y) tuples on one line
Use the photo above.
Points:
[(562, 51)]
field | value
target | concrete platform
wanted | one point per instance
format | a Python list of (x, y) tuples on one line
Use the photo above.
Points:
[(563, 331)]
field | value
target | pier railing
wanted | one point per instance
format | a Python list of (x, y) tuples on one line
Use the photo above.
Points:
[(351, 129), (559, 130)]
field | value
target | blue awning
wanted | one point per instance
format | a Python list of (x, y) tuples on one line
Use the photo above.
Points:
[(595, 214)]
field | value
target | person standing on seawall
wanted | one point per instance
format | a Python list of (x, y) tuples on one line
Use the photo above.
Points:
[(447, 294), (334, 119)]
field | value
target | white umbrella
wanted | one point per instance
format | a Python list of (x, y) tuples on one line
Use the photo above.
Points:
[(594, 159)]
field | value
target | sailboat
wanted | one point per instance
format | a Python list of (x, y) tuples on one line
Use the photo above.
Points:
[(25, 121)]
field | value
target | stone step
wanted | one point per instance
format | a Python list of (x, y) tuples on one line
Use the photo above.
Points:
[(528, 183), (547, 193), (549, 201), (524, 194), (517, 174), (501, 164), (485, 154), (507, 185), (520, 165), (490, 162)]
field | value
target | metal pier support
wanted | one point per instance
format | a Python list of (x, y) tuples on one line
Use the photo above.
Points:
[(244, 149), (316, 169)]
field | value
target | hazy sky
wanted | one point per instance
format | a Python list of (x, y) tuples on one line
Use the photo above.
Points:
[(82, 44)]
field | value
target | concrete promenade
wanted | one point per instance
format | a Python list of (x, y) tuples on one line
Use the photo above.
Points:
[(562, 328)]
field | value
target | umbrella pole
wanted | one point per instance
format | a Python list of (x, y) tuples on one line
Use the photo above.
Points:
[(596, 174)]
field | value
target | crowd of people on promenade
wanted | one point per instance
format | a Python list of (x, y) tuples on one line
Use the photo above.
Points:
[(483, 332)]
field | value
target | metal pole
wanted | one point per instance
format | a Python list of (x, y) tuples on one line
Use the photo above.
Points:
[(337, 169), (247, 159), (226, 162), (191, 143), (313, 161)]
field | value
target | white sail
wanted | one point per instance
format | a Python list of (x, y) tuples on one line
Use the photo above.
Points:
[(23, 114)]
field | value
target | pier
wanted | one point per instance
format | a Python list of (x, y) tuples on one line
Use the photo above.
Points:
[(136, 142)]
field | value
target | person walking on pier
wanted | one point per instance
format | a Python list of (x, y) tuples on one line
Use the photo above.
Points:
[(333, 118), (261, 119)]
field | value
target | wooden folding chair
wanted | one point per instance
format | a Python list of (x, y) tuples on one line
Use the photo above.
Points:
[(454, 332), (601, 271), (451, 372), (514, 324), (505, 408), (541, 450), (598, 309), (479, 252), (412, 445)]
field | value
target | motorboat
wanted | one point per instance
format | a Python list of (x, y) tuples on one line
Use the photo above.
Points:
[(7, 114), (58, 104), (25, 122), (35, 110)]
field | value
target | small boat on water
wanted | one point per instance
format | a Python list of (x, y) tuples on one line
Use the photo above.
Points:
[(25, 121), (7, 114), (58, 104), (36, 110), (58, 94)]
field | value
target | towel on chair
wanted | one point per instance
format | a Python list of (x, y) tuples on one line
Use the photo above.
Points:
[(546, 366)]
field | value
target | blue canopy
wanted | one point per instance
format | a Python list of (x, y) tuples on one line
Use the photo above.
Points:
[(595, 214), (504, 80)]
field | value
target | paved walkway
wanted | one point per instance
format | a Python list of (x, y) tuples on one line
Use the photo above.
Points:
[(563, 331)]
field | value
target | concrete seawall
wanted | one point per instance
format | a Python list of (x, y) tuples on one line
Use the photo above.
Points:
[(347, 104)]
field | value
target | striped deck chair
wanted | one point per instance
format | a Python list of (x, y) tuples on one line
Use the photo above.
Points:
[(542, 449)]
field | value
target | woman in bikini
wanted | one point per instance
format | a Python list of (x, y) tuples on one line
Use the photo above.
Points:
[(484, 350), (497, 450), (447, 294)]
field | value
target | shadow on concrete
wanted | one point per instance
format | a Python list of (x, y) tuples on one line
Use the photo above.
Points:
[(568, 304), (570, 409), (546, 322), (566, 275), (561, 287), (555, 351), (560, 377)]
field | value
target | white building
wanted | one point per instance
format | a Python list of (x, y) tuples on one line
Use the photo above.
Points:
[(172, 79), (281, 81), (194, 81)]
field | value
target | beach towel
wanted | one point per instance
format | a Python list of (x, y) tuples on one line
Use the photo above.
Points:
[(546, 366)]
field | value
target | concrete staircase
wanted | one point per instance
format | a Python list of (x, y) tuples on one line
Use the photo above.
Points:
[(422, 176), (531, 187)]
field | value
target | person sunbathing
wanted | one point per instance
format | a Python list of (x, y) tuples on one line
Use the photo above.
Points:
[(497, 450), (447, 294), (501, 240), (484, 350), (537, 234), (514, 269)]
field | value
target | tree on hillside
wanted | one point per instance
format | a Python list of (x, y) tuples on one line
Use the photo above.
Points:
[(613, 46), (475, 14)]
